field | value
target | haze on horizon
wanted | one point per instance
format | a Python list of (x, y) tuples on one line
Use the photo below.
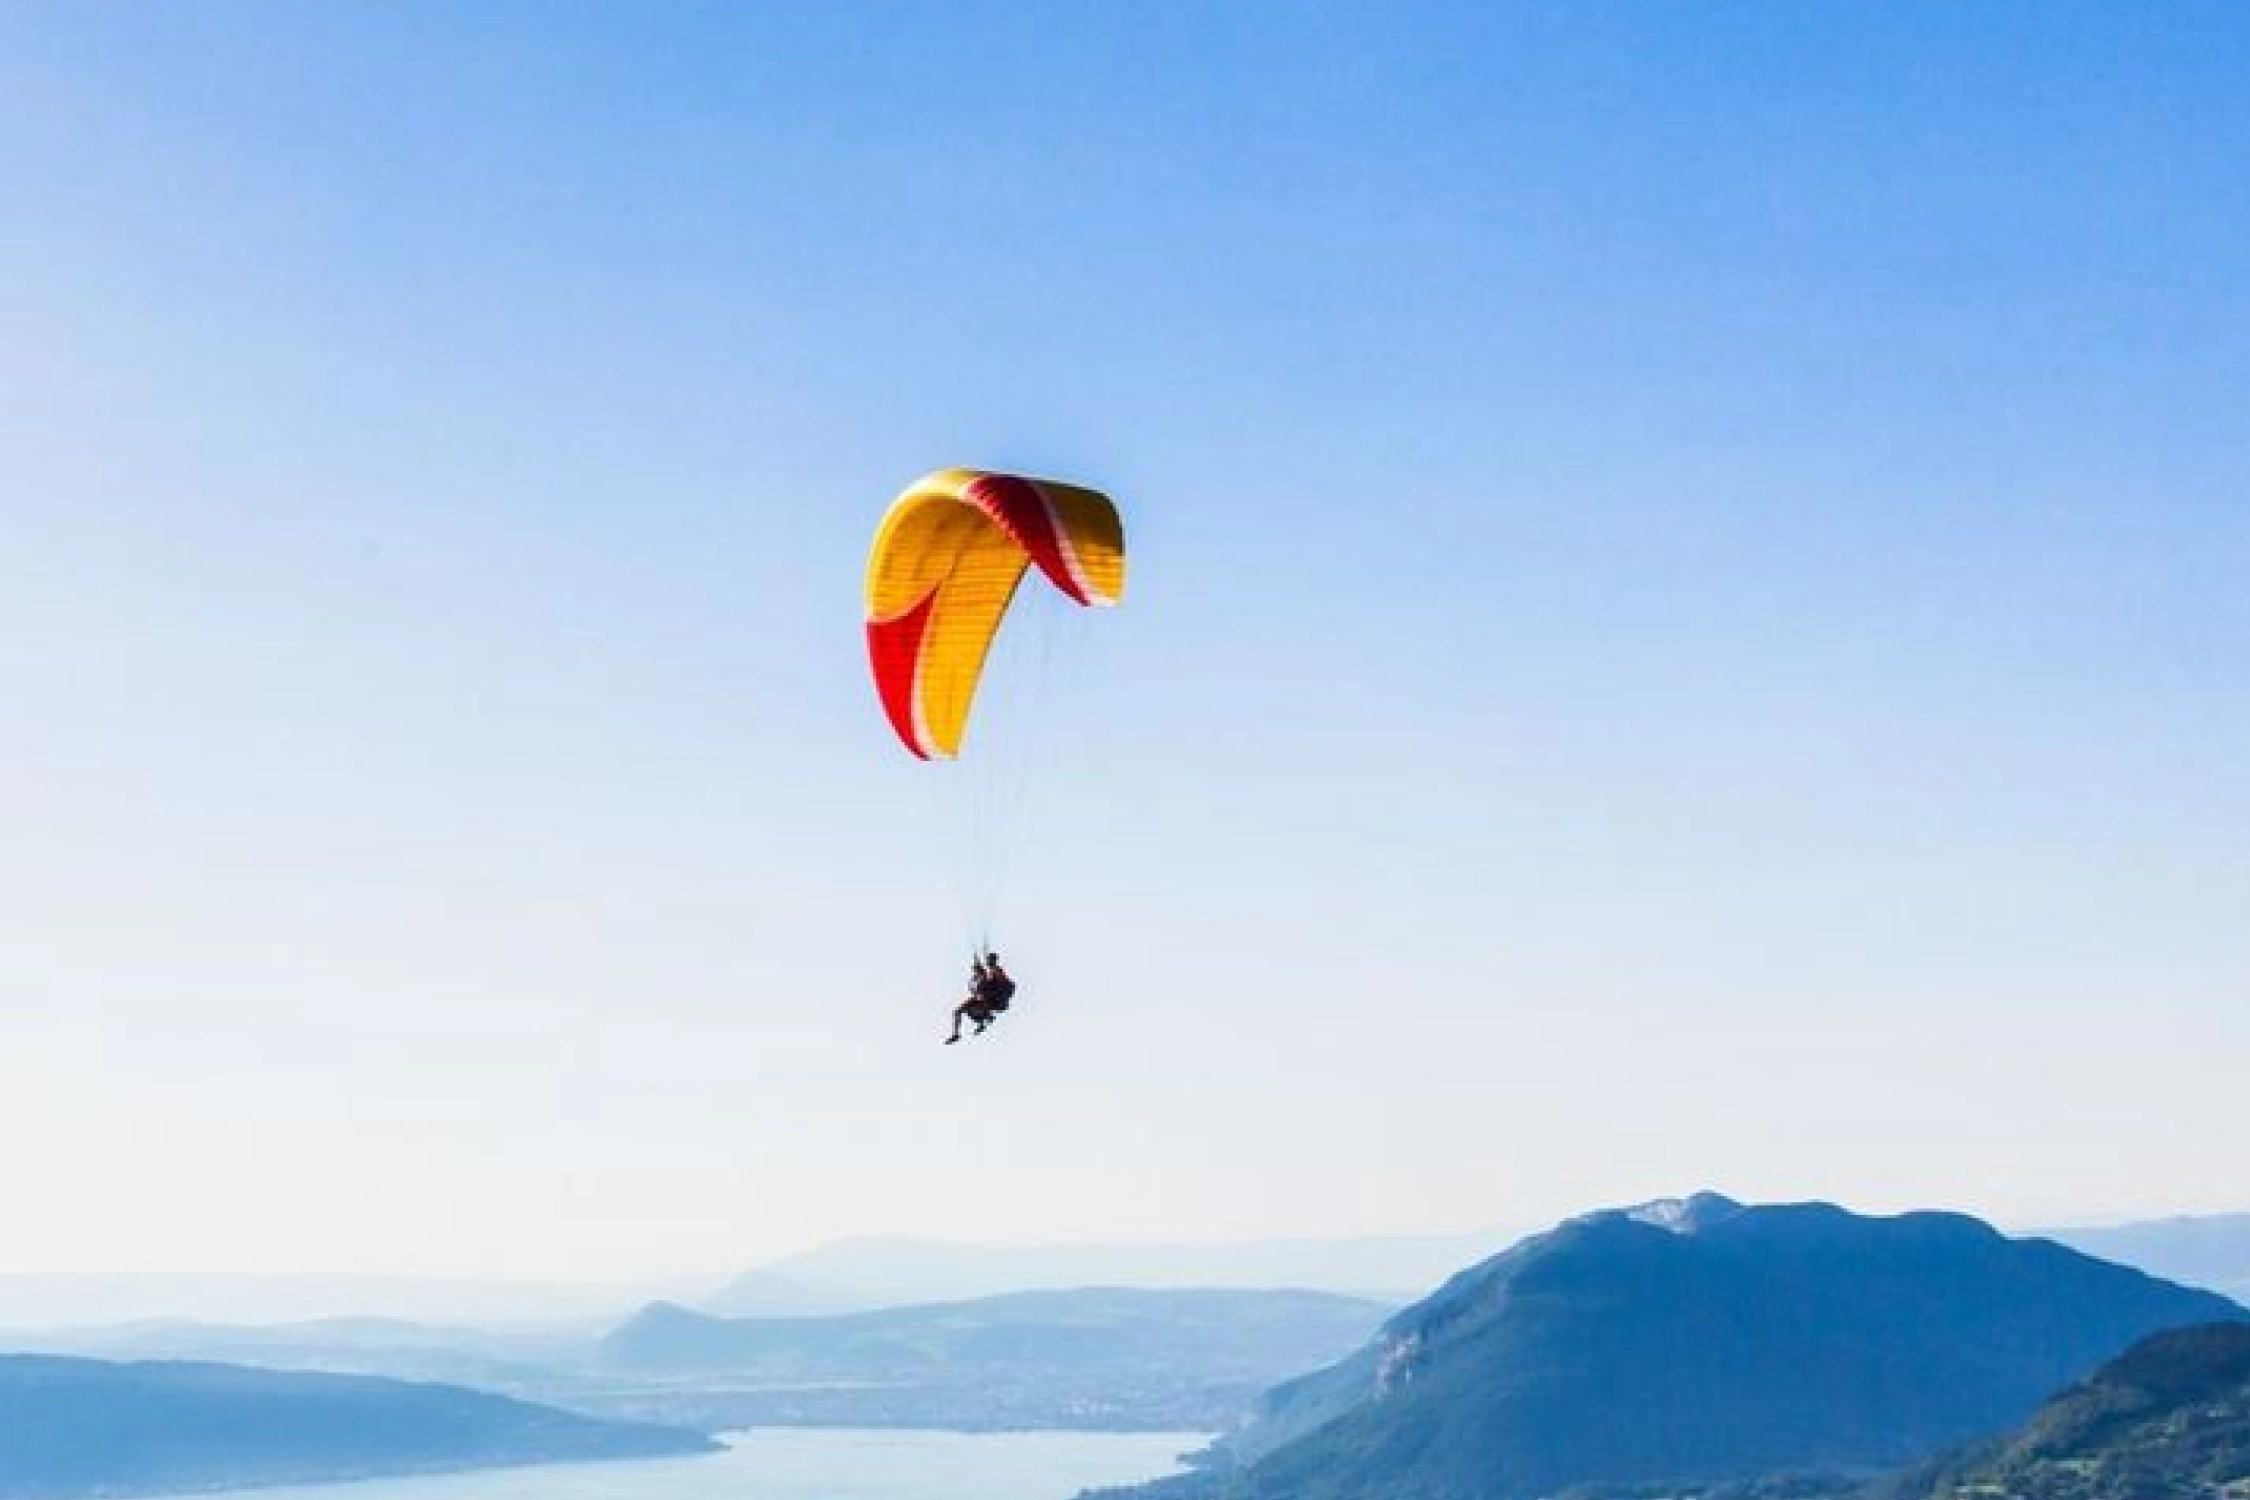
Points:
[(1687, 623)]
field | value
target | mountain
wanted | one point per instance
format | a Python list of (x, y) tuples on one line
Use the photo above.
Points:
[(1220, 1333), (84, 1427), (517, 1363), (1698, 1340), (2212, 1251), (856, 1275), (1104, 1357), (62, 1300), (2167, 1420), (1134, 1360)]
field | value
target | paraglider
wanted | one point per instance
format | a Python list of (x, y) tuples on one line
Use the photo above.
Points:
[(990, 991), (945, 566), (943, 576)]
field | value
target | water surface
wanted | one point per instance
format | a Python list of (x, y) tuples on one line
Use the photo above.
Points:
[(814, 1463)]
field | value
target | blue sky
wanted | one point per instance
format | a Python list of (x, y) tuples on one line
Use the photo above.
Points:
[(1687, 626)]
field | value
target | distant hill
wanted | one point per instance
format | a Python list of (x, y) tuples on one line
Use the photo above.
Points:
[(2209, 1251), (862, 1274), (84, 1427), (1096, 1356), (515, 1363), (1122, 1359), (2167, 1420), (30, 1302), (1697, 1340)]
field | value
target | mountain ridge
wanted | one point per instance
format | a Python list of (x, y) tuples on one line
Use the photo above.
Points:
[(72, 1427), (2210, 1250), (869, 1273), (2169, 1419), (1115, 1357), (1697, 1340)]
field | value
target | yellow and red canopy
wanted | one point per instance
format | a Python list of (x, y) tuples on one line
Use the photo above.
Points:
[(946, 563)]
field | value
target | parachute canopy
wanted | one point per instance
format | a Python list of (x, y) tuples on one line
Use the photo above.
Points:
[(945, 566)]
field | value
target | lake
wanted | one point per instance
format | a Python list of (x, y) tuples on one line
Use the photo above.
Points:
[(815, 1463)]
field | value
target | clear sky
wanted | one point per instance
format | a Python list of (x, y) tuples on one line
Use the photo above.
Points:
[(1688, 622)]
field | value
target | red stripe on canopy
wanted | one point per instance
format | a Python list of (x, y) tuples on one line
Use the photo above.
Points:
[(1018, 508), (894, 649)]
